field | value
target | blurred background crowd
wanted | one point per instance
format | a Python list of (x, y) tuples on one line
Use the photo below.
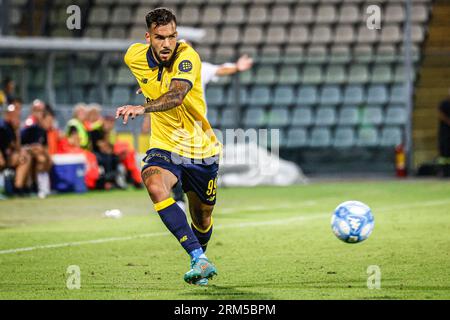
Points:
[(27, 147)]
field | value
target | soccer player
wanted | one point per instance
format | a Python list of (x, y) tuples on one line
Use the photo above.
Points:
[(210, 73), (183, 146)]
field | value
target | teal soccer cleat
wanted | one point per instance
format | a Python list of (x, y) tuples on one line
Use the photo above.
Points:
[(200, 269)]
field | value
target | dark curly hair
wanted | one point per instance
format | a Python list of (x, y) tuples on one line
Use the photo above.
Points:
[(160, 16)]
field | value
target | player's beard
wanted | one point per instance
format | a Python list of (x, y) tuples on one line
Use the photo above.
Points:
[(158, 57)]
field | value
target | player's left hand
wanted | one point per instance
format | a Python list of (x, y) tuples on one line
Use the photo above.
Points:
[(244, 63), (129, 111)]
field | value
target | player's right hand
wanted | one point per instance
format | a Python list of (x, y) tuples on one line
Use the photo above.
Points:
[(129, 111)]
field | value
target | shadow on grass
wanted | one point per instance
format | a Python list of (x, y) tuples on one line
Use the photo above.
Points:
[(226, 292)]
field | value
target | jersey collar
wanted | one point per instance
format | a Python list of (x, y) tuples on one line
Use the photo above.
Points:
[(153, 63)]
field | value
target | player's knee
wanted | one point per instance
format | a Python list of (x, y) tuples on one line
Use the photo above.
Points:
[(157, 192), (202, 218), (204, 223)]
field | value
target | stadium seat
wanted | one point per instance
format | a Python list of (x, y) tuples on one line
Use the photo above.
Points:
[(381, 74), (391, 34), (212, 15), (297, 137), (298, 34), (303, 14), (358, 74), (58, 17), (397, 94), (344, 34), (284, 96), (325, 116), (229, 118), (377, 94), (278, 117), (190, 15), (231, 96), (253, 35), (335, 74), (417, 33), (270, 54), (366, 35), (348, 116), (124, 76), (116, 32), (229, 35), (419, 13), (386, 53), (121, 15), (120, 95), (320, 137), (353, 95), (210, 35), (257, 15), (302, 116), (215, 96), (294, 54), (372, 115), (98, 16), (205, 52), (321, 34), (330, 95), (340, 54), (235, 14), (250, 50), (254, 118), (213, 117), (344, 137), (326, 14), (289, 75), (395, 115), (394, 13), (246, 77), (312, 75), (260, 96), (367, 137), (137, 32), (363, 53), (391, 136), (265, 75), (307, 95), (276, 35), (223, 54), (281, 14), (317, 54), (348, 13)]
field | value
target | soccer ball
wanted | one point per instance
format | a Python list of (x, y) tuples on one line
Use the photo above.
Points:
[(352, 221)]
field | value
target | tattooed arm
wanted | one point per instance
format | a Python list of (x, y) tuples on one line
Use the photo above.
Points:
[(171, 99)]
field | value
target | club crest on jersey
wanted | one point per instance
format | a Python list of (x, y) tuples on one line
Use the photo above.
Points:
[(185, 66), (144, 80)]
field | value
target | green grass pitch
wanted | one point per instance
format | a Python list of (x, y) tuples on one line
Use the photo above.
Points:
[(268, 243)]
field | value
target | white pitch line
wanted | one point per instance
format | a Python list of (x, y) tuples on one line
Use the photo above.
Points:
[(310, 216), (159, 234)]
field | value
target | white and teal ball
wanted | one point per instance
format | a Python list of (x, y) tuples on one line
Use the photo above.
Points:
[(352, 221)]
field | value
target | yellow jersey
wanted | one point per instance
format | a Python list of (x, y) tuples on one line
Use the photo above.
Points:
[(184, 129)]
